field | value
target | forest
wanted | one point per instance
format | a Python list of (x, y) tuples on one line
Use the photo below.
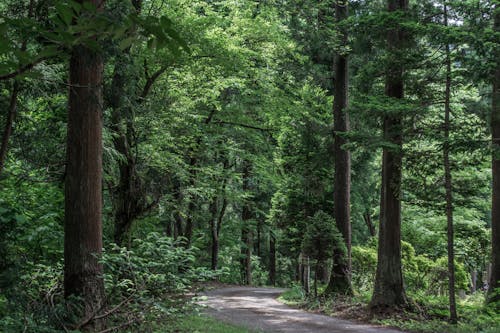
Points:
[(346, 151)]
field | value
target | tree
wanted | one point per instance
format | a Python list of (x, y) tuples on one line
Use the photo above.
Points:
[(494, 292), (246, 228), (389, 290), (448, 180), (340, 280), (83, 189), (320, 239)]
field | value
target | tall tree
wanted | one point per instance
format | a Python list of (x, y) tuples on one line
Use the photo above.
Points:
[(340, 280), (494, 292), (83, 190), (389, 290), (246, 229), (448, 180)]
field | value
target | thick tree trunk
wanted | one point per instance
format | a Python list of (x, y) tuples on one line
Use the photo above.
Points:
[(340, 280), (494, 284), (448, 180), (83, 190), (272, 258), (388, 291), (246, 231)]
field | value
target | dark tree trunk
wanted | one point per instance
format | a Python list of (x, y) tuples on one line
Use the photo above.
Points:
[(494, 284), (259, 231), (246, 230), (128, 199), (83, 190), (192, 202), (12, 111), (8, 124), (388, 291), (340, 280), (178, 219), (448, 186), (272, 258), (214, 232), (369, 223)]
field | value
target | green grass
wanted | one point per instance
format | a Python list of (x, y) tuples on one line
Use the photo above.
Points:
[(473, 316), (204, 324)]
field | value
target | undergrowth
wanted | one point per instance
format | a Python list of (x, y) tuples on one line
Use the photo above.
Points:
[(429, 314)]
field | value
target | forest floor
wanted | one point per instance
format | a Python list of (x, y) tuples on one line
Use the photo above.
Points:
[(258, 309)]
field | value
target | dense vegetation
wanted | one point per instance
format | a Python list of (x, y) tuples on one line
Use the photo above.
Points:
[(346, 149)]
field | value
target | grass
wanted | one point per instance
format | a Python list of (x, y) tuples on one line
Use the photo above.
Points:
[(204, 324), (431, 317)]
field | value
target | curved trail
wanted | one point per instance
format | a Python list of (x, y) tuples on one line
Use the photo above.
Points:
[(258, 309)]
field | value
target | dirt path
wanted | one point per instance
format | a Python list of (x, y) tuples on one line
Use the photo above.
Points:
[(258, 309)]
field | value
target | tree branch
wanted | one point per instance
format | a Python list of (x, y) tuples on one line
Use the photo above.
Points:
[(22, 69), (220, 122)]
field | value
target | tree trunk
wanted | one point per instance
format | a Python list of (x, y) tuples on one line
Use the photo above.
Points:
[(246, 233), (259, 231), (473, 277), (494, 284), (83, 189), (388, 293), (272, 258), (214, 232), (178, 219), (448, 182), (129, 201), (11, 114), (8, 124), (192, 203), (369, 223), (340, 280)]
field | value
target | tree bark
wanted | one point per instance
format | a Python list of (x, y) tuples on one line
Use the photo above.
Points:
[(214, 232), (83, 188), (448, 183), (388, 293), (246, 230), (340, 280), (272, 258), (216, 222), (369, 223), (494, 283)]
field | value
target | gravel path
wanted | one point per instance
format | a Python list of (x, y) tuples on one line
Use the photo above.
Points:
[(258, 309)]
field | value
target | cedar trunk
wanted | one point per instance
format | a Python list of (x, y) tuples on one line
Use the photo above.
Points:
[(272, 258), (388, 291), (246, 233), (83, 189), (494, 292), (448, 183), (340, 280)]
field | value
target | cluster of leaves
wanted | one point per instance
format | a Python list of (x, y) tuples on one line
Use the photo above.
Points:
[(143, 285)]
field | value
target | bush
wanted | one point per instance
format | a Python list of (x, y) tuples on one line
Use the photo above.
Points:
[(143, 285)]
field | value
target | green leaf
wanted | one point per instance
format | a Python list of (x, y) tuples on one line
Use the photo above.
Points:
[(65, 13), (125, 43), (89, 6)]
